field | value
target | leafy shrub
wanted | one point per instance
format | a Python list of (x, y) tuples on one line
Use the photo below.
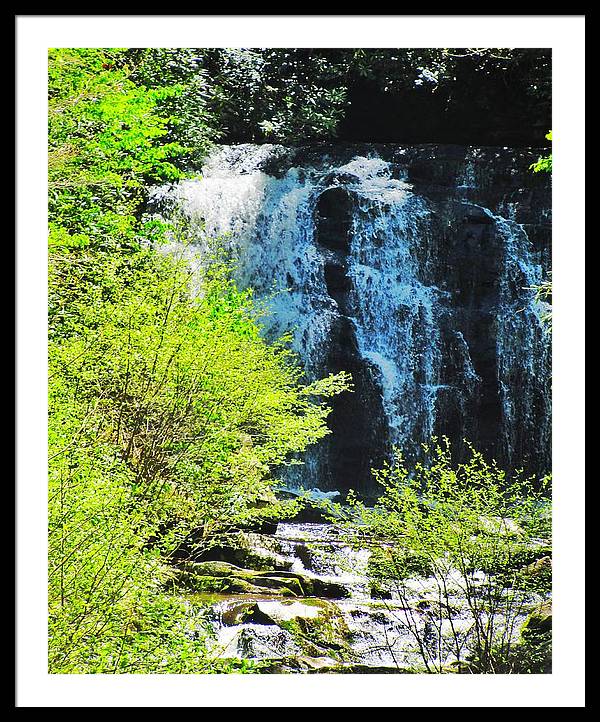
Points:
[(168, 412), (543, 163), (453, 541)]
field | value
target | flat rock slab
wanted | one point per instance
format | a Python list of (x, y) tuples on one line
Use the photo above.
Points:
[(230, 578)]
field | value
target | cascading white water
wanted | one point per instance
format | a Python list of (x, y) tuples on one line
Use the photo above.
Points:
[(367, 627), (403, 287), (523, 348), (266, 223), (394, 310)]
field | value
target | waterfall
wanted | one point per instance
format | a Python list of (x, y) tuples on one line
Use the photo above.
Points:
[(410, 267)]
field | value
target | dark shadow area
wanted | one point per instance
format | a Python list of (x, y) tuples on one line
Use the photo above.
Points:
[(492, 113)]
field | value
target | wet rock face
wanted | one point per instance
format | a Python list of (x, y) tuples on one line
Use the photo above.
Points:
[(333, 218), (359, 439), (469, 265), (494, 367), (463, 253), (411, 267)]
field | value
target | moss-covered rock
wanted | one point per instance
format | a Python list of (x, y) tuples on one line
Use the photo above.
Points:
[(325, 628), (233, 585), (539, 620), (327, 665), (248, 612), (317, 626), (227, 578), (215, 569), (536, 576), (246, 549), (301, 665), (224, 578), (316, 664), (540, 569)]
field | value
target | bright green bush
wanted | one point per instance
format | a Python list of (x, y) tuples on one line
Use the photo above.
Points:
[(106, 139), (543, 163), (169, 415)]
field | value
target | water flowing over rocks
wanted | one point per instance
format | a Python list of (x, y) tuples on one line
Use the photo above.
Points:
[(323, 615), (409, 266)]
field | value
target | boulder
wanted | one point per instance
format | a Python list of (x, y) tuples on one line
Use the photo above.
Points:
[(538, 572), (539, 620), (540, 566), (317, 626), (245, 613), (247, 550), (226, 578), (321, 625), (315, 664), (214, 569)]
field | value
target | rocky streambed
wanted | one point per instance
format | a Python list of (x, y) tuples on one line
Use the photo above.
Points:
[(300, 600)]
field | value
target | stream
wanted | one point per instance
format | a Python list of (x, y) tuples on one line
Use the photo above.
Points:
[(340, 623)]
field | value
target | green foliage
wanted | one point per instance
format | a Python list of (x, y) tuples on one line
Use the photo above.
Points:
[(190, 386), (169, 415), (277, 95), (191, 122), (293, 95), (105, 141), (543, 296), (543, 163), (105, 610), (290, 95), (461, 535)]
